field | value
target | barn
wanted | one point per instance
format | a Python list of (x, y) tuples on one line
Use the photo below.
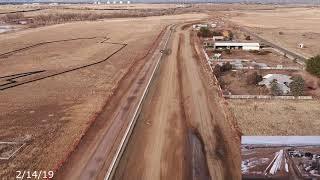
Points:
[(236, 45)]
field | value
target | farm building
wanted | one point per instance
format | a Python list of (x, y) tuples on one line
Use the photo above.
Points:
[(282, 80), (198, 26), (236, 45), (218, 38), (207, 42)]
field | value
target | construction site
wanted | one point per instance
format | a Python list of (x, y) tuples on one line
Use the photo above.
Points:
[(280, 161), (132, 91)]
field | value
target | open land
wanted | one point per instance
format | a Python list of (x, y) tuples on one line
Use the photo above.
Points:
[(69, 84), (277, 117), (285, 27)]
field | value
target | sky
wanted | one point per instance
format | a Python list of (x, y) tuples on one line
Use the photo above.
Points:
[(284, 140)]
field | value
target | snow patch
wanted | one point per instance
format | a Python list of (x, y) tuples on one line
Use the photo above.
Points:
[(277, 163)]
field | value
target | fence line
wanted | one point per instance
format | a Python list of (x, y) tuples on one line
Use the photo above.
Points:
[(269, 68), (267, 97)]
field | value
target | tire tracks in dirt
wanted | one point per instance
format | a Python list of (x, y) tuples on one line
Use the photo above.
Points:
[(183, 132)]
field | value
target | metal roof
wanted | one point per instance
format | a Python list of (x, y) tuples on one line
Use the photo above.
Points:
[(228, 43)]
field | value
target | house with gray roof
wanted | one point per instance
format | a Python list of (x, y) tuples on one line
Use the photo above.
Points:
[(282, 80)]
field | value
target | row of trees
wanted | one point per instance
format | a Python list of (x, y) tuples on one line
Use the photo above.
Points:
[(296, 87), (206, 32), (218, 70), (313, 65)]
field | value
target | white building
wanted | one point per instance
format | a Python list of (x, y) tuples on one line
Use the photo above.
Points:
[(236, 45), (301, 45), (128, 2), (53, 4), (198, 26), (213, 25), (218, 38)]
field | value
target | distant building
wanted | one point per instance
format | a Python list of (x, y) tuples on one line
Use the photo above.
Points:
[(53, 4), (282, 80), (301, 45), (236, 45), (213, 25), (218, 38), (128, 2), (198, 26), (208, 43)]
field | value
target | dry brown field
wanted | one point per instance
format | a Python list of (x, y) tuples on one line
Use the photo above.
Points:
[(277, 117), (119, 6), (51, 114), (298, 25), (13, 8)]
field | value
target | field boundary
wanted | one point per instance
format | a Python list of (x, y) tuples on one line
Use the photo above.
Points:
[(22, 11), (15, 83), (15, 151), (291, 55), (267, 97), (10, 53)]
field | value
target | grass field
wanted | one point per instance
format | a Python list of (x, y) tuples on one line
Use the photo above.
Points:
[(277, 117), (298, 25)]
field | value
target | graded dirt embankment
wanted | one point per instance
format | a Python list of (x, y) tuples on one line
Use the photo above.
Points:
[(184, 131)]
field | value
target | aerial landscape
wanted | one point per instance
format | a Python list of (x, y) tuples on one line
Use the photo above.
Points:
[(158, 90)]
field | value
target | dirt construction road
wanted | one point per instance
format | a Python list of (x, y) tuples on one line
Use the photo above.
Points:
[(185, 130)]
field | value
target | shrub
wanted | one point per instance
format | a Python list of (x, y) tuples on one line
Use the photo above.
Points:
[(248, 38), (254, 78), (313, 65), (226, 67), (275, 90), (254, 51), (12, 17), (217, 33), (297, 86), (230, 35), (204, 32), (257, 52), (227, 51), (217, 70), (264, 52), (217, 51), (222, 83)]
